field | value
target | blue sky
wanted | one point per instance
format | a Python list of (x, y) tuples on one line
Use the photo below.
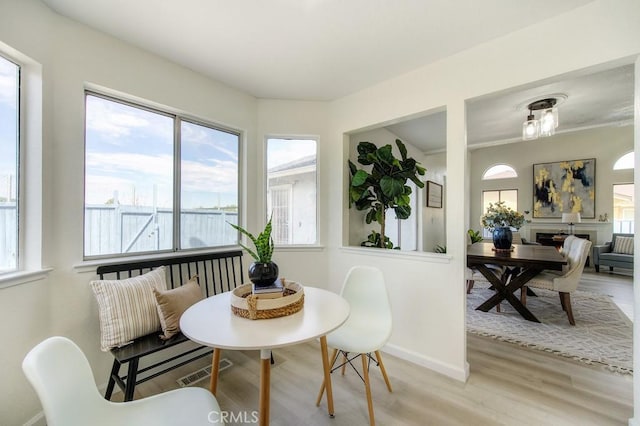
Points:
[(130, 150)]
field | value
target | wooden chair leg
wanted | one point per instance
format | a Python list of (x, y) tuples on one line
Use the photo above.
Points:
[(470, 284), (567, 304), (562, 301), (365, 376), (523, 295), (333, 358), (344, 363), (383, 370), (132, 373), (115, 370)]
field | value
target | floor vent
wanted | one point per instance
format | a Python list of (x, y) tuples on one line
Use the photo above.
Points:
[(202, 374)]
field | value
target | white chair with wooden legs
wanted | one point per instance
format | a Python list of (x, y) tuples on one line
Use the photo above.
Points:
[(564, 282), (62, 378), (366, 330)]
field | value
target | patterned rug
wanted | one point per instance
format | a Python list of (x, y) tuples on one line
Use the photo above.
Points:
[(602, 334)]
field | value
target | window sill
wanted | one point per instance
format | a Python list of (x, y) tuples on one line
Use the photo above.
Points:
[(398, 254), (308, 247), (23, 277)]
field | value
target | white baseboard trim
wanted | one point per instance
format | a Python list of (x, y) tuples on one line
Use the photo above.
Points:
[(37, 420), (446, 369)]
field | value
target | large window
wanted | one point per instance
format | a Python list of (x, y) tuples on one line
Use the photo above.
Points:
[(623, 208), (9, 164), (141, 166), (508, 196), (292, 190)]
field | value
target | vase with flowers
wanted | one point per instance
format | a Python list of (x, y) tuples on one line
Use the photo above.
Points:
[(499, 218)]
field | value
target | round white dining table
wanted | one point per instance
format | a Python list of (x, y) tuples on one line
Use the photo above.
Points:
[(211, 322)]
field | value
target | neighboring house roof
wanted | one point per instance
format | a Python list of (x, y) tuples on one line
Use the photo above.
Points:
[(291, 166)]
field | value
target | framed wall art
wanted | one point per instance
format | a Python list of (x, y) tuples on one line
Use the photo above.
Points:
[(564, 187), (434, 194)]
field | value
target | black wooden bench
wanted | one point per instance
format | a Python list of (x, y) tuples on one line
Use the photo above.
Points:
[(217, 273)]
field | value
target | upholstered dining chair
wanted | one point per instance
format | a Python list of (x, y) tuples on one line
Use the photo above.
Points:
[(62, 378), (564, 282), (366, 330)]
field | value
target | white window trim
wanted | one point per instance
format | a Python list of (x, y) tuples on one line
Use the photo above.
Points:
[(316, 138), (30, 181), (179, 116)]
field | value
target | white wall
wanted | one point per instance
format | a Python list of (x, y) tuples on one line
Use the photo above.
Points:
[(605, 144), (71, 56), (433, 230)]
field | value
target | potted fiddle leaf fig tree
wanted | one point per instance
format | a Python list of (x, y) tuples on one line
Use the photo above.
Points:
[(382, 185), (263, 271)]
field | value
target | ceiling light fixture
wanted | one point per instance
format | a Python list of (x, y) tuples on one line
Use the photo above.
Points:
[(546, 125)]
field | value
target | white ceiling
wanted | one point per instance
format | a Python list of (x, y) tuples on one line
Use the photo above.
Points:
[(307, 49), (325, 49), (594, 98)]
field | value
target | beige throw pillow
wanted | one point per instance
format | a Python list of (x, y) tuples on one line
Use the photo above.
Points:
[(127, 308), (172, 304), (623, 245)]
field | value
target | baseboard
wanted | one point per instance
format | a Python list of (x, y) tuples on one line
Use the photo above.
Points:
[(446, 369), (37, 420)]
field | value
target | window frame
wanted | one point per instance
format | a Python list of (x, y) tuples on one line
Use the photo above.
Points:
[(484, 174), (30, 179), (265, 176), (20, 167), (485, 232), (178, 117)]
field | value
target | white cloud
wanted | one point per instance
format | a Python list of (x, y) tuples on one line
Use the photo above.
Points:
[(222, 176), (134, 175), (8, 82), (115, 121), (281, 151)]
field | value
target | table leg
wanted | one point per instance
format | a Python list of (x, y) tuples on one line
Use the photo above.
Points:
[(215, 369), (506, 291), (327, 374), (265, 385)]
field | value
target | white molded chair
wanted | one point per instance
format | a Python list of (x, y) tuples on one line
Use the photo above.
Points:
[(567, 281), (62, 378), (366, 330)]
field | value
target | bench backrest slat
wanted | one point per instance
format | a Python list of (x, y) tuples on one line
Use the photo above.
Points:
[(217, 272)]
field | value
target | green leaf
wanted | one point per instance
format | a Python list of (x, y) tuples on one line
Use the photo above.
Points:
[(391, 187), (359, 178), (402, 212), (402, 149), (366, 147), (370, 217), (385, 155), (352, 168)]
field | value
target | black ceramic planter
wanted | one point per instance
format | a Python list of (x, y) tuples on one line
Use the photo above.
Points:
[(263, 274), (502, 238)]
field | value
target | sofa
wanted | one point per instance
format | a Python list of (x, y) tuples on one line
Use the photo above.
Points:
[(617, 253)]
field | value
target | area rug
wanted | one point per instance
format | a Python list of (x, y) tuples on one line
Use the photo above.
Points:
[(602, 334)]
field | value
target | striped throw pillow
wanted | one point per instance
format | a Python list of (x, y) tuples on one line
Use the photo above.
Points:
[(623, 245), (127, 308)]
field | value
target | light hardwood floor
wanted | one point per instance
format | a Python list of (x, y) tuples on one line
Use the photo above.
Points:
[(508, 385)]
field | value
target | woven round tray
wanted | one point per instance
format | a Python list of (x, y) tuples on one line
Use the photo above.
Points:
[(246, 305)]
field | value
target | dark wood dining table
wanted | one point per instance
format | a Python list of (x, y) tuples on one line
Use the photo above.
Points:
[(523, 262)]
